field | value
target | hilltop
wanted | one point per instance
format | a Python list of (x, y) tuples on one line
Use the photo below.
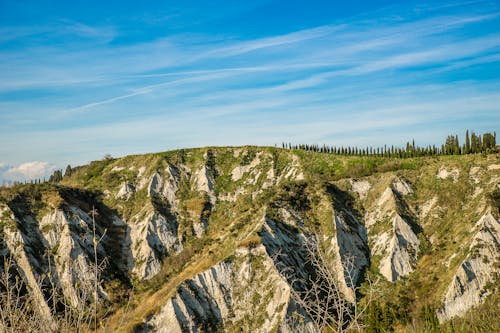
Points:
[(217, 238)]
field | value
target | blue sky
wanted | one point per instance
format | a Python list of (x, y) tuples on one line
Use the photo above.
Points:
[(84, 78)]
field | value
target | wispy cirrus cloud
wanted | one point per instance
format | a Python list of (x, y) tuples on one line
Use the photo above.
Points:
[(61, 28), (387, 67)]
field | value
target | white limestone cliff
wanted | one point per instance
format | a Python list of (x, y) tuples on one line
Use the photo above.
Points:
[(469, 285)]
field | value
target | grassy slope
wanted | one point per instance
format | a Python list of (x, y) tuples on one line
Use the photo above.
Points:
[(234, 223)]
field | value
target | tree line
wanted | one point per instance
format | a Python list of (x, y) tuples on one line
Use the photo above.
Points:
[(475, 143)]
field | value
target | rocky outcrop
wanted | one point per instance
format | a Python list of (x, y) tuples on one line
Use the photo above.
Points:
[(238, 172), (444, 173), (166, 185), (400, 256), (469, 286), (204, 182), (401, 186), (361, 187), (153, 231), (293, 170), (392, 232), (69, 237), (56, 254), (153, 237), (287, 247), (351, 253), (201, 303), (228, 296), (126, 191), (17, 247)]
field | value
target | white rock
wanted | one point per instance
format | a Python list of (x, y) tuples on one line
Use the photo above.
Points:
[(381, 243), (152, 238), (350, 252), (427, 206), (126, 191), (293, 171), (467, 289), (361, 187), (165, 186), (141, 170), (205, 182), (70, 236), (224, 295), (475, 174), (443, 173), (401, 255), (238, 172), (401, 187), (16, 245)]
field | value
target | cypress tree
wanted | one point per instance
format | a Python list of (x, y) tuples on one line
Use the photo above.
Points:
[(69, 171), (467, 142)]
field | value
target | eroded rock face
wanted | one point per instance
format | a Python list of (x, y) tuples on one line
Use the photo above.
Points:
[(391, 233), (286, 246), (468, 287), (59, 248), (200, 303), (401, 186), (69, 235), (159, 208), (444, 173), (126, 191), (166, 185), (228, 295), (204, 180), (17, 246), (153, 237), (238, 172), (361, 187), (351, 252), (400, 256)]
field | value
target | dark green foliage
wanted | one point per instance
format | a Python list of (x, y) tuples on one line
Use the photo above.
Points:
[(68, 172), (294, 194), (475, 144), (425, 245), (451, 146), (430, 321), (489, 141), (211, 165), (56, 177), (379, 318), (467, 143)]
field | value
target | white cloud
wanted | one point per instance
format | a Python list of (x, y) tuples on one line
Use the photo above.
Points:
[(29, 170)]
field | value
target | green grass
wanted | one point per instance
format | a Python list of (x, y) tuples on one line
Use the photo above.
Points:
[(236, 223)]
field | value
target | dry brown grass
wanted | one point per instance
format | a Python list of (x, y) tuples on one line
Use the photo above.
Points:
[(250, 242), (194, 207)]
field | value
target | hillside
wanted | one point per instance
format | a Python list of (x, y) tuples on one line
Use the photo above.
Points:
[(218, 239)]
